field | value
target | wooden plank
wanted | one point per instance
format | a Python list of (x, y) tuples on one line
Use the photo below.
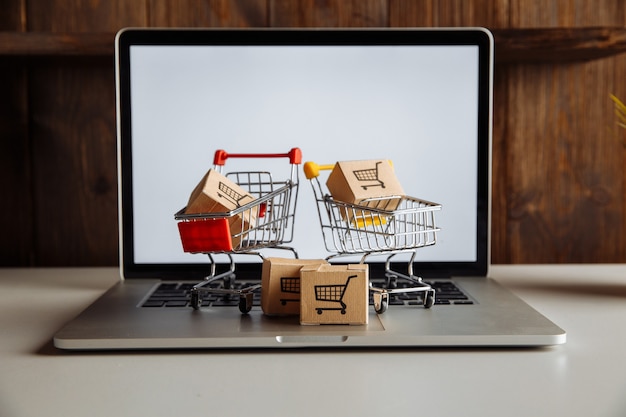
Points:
[(74, 165), (545, 45), (601, 166), (72, 129), (12, 16), (564, 204), (412, 13), (565, 13), (15, 182), (562, 201), (452, 13), (618, 88), (328, 13), (558, 45), (468, 13), (500, 181), (42, 44), (78, 16), (215, 13)]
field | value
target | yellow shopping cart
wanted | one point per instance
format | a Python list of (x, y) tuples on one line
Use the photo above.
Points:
[(369, 228)]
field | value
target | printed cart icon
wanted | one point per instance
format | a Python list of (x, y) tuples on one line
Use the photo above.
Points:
[(369, 175), (332, 293), (290, 285), (230, 194)]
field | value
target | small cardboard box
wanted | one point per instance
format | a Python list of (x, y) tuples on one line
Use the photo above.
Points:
[(280, 284), (217, 194), (334, 294), (353, 181)]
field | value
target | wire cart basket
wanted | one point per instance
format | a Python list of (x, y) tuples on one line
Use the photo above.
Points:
[(265, 222), (377, 226)]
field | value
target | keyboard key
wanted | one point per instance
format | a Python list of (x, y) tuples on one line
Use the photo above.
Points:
[(176, 304), (152, 303)]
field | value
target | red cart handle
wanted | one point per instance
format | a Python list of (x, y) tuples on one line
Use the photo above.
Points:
[(294, 155)]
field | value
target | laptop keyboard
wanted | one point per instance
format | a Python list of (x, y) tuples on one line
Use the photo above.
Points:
[(176, 294)]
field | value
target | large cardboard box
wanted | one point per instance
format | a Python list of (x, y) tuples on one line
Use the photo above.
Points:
[(280, 284), (215, 193), (334, 294), (354, 181)]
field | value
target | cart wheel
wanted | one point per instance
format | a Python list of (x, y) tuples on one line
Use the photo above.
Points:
[(380, 303), (430, 299), (195, 301), (245, 303)]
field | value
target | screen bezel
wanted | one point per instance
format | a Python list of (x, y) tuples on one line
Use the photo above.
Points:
[(387, 36)]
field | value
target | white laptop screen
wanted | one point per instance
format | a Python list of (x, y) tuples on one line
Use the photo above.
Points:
[(419, 104)]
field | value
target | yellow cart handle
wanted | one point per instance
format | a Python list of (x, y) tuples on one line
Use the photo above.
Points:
[(312, 170)]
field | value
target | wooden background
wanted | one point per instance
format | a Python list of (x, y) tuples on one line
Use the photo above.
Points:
[(559, 189)]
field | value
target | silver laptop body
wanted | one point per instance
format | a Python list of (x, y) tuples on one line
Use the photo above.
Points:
[(419, 97)]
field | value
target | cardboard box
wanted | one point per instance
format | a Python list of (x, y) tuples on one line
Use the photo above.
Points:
[(354, 181), (217, 194), (280, 284), (334, 294)]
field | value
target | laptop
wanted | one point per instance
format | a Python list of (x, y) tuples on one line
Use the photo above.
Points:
[(420, 98)]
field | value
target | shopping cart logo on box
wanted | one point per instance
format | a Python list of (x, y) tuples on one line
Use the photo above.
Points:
[(290, 285), (265, 222), (231, 194), (369, 175), (332, 293)]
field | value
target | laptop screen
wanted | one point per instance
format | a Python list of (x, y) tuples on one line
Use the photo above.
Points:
[(420, 98)]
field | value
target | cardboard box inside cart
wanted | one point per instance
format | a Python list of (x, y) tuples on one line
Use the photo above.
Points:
[(354, 181), (280, 284), (217, 194), (334, 294)]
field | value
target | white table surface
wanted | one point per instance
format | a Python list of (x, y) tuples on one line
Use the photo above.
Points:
[(584, 377)]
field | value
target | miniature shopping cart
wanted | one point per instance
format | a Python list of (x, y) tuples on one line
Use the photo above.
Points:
[(332, 293), (265, 222), (377, 226)]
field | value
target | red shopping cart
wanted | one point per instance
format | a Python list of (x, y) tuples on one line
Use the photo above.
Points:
[(265, 222), (371, 228)]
